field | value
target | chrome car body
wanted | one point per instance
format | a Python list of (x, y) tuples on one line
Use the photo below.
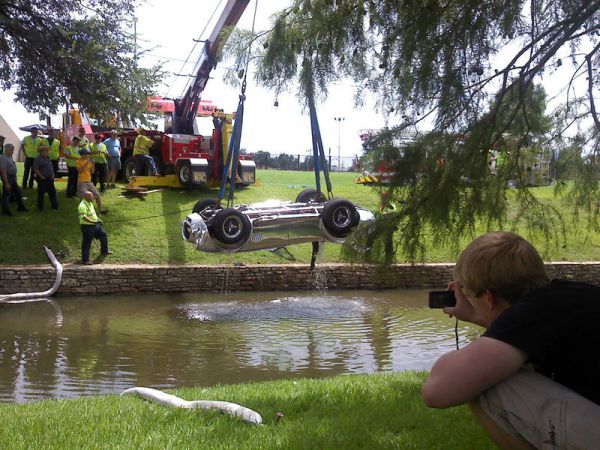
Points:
[(271, 225)]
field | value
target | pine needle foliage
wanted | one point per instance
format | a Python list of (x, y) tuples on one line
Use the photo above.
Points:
[(435, 65)]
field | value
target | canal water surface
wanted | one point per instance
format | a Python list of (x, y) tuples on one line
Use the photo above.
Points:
[(81, 346)]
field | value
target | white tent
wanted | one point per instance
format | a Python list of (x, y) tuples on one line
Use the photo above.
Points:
[(11, 138)]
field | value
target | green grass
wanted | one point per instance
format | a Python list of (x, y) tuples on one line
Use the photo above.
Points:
[(147, 230), (344, 412)]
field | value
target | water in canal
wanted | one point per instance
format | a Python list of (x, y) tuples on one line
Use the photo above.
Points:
[(81, 346)]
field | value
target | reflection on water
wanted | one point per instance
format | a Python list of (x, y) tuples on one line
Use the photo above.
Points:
[(80, 346)]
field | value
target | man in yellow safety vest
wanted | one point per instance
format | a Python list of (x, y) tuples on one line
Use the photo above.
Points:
[(30, 145), (100, 156), (71, 156), (91, 227), (141, 154), (54, 153), (84, 142)]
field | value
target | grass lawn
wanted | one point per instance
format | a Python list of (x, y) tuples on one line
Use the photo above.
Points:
[(344, 412), (147, 230)]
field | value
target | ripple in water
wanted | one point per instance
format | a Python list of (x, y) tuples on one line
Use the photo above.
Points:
[(286, 308)]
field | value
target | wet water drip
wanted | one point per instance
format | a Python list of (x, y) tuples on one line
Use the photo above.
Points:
[(319, 274), (225, 285)]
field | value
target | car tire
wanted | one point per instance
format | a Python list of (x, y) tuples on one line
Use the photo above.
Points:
[(231, 226), (201, 205), (339, 217), (184, 173), (129, 169), (310, 195)]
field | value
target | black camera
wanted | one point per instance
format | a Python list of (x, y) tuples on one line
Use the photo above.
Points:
[(441, 299)]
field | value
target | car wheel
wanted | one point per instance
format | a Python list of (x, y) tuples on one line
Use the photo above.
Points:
[(231, 226), (129, 169), (203, 204), (184, 173), (339, 216), (310, 195)]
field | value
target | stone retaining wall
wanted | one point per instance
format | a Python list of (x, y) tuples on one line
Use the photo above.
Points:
[(116, 279)]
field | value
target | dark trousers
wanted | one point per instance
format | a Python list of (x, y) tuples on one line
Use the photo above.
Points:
[(55, 167), (44, 186), (72, 182), (28, 172), (15, 192), (140, 165), (100, 170), (89, 233)]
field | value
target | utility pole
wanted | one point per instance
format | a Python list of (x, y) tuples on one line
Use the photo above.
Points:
[(135, 39), (339, 121)]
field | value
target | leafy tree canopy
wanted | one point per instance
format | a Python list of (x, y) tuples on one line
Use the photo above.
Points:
[(439, 63), (73, 51)]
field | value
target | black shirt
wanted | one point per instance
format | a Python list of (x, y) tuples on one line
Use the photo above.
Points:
[(558, 327)]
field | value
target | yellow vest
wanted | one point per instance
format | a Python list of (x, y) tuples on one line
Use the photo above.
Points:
[(141, 145), (54, 152), (101, 153), (84, 142), (86, 209), (71, 151), (32, 146)]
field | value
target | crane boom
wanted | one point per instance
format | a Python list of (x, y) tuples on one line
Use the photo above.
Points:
[(187, 106)]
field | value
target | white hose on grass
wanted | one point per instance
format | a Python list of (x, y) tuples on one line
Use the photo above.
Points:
[(35, 296), (162, 398)]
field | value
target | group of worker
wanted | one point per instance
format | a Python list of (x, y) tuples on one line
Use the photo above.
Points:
[(105, 156), (41, 165), (87, 164)]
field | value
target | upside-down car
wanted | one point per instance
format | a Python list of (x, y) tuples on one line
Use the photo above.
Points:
[(272, 224)]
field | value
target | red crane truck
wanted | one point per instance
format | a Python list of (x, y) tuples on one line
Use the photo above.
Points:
[(184, 157)]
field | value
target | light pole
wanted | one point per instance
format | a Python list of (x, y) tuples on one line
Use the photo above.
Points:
[(339, 121), (135, 20)]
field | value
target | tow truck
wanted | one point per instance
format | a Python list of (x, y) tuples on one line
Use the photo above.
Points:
[(184, 157)]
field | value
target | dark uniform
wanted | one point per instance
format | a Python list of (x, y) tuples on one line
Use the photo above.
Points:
[(42, 165), (9, 168)]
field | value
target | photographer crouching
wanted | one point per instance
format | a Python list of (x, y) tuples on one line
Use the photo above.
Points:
[(532, 379)]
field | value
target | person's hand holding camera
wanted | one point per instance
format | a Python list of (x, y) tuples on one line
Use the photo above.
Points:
[(463, 310)]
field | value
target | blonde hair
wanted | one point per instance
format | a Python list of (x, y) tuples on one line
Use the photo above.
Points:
[(502, 262)]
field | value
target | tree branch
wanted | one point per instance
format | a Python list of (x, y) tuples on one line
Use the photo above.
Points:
[(588, 58)]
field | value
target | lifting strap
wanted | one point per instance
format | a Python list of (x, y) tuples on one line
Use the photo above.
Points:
[(230, 167), (318, 151), (230, 170)]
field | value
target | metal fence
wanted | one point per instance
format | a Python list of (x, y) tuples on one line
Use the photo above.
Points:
[(303, 162)]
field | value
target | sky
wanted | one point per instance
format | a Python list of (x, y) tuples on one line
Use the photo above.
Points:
[(282, 129), (165, 31), (165, 34)]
